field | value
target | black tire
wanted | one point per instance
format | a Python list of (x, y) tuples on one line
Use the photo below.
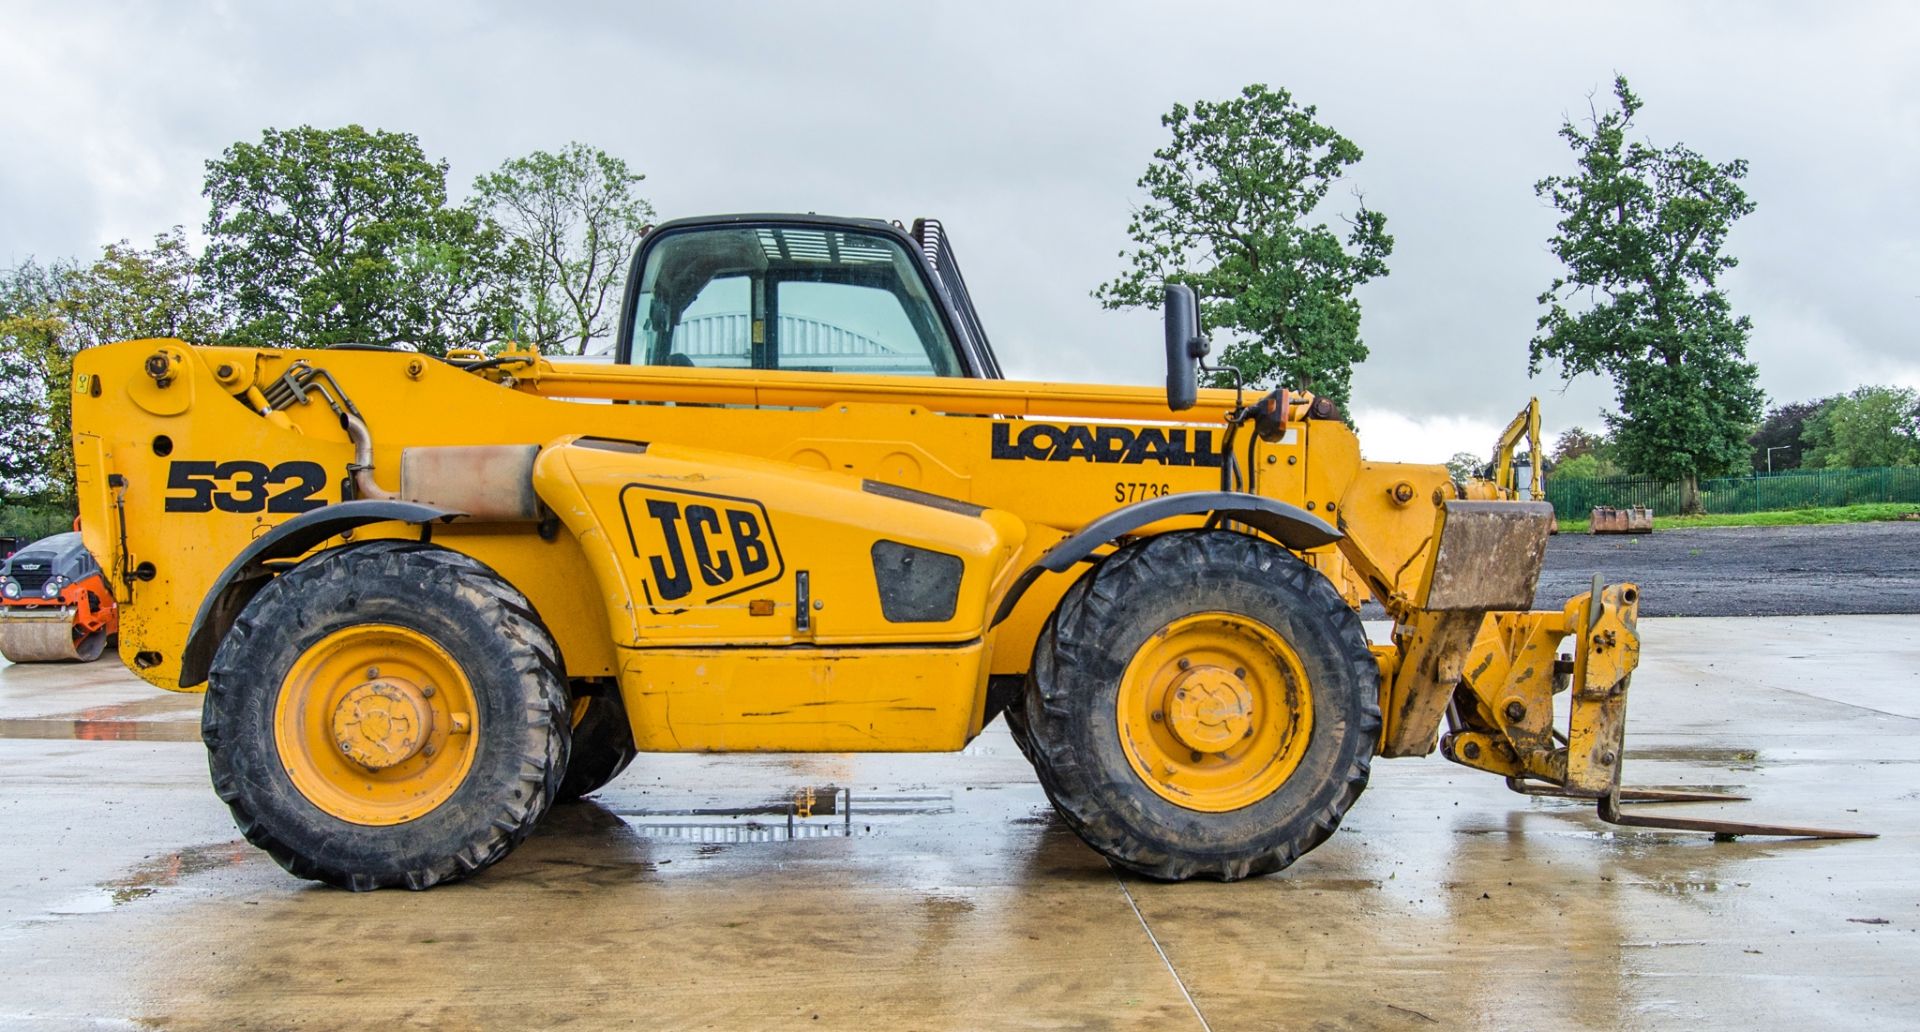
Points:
[(499, 644), (1006, 695), (1070, 705), (602, 743)]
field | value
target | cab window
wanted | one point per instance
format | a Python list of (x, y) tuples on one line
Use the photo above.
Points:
[(779, 297)]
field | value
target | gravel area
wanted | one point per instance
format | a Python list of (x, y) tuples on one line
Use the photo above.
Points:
[(1747, 571)]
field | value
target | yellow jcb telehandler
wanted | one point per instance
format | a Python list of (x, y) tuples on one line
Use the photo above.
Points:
[(800, 510)]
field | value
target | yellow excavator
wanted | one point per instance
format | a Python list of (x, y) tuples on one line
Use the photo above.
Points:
[(1502, 482)]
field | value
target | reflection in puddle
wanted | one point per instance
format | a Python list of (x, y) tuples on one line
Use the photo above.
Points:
[(148, 877), (947, 907), (153, 875), (89, 730), (1737, 758), (808, 813), (1682, 887)]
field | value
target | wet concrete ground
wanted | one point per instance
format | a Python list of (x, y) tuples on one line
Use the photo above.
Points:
[(951, 897)]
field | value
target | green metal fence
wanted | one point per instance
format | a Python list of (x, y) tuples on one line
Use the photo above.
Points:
[(1761, 492)]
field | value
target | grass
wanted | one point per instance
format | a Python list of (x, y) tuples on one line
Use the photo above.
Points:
[(1872, 513)]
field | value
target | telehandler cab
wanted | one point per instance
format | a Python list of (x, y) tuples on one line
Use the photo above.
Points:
[(801, 511)]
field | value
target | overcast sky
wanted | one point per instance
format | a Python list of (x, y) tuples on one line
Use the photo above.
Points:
[(1024, 128)]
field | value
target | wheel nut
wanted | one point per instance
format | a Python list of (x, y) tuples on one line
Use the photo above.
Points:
[(429, 750), (373, 672), (1185, 662), (1239, 671), (1158, 716), (426, 690), (1196, 756)]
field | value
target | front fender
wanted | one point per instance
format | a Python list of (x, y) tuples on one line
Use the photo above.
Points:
[(1290, 525), (248, 572)]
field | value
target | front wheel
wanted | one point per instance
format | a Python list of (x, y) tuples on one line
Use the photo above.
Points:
[(1203, 704), (386, 714)]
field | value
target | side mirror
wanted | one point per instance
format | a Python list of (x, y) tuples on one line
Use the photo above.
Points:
[(1185, 346)]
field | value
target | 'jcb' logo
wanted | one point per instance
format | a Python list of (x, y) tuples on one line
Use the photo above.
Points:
[(699, 548)]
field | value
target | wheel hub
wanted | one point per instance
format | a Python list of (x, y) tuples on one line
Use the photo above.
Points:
[(1214, 711), (382, 723), (1210, 709)]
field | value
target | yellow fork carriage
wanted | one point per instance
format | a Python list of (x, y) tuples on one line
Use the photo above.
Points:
[(800, 510)]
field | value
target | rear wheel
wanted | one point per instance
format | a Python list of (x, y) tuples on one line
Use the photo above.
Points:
[(602, 741), (1203, 704), (386, 714)]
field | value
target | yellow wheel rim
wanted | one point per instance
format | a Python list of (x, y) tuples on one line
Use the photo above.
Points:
[(376, 724), (1215, 711)]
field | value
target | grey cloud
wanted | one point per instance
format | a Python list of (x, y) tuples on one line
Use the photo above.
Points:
[(1024, 128)]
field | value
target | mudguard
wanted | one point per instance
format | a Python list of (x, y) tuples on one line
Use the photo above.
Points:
[(248, 572), (1290, 525)]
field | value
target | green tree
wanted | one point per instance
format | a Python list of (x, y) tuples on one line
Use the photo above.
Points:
[(1234, 196), (574, 219), (325, 236), (35, 364), (1641, 235), (1780, 442), (48, 313), (130, 293), (1576, 441), (1867, 427), (1585, 466), (1464, 466)]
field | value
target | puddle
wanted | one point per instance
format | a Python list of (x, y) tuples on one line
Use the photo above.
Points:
[(946, 907), (163, 704), (1683, 887), (1728, 790), (90, 730), (153, 875), (148, 877), (810, 813), (1737, 759), (1332, 885)]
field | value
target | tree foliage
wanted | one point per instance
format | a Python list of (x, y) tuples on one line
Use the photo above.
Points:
[(1783, 432), (325, 236), (130, 293), (1642, 236), (1576, 441), (1584, 466), (575, 219), (48, 313), (35, 364), (1869, 426), (1466, 465), (1232, 212)]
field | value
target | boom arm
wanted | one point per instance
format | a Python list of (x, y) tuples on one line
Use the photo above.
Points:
[(1525, 427)]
